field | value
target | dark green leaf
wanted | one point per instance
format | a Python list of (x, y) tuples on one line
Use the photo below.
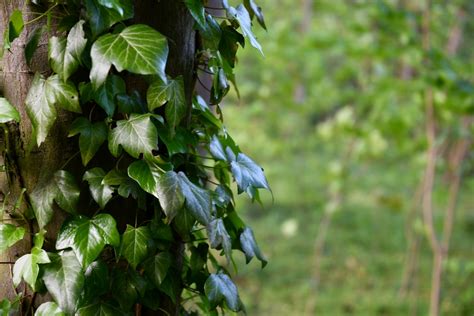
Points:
[(32, 44), (88, 237), (8, 112), (184, 222), (196, 8), (113, 4), (101, 193), (157, 267), (105, 94), (49, 309), (218, 236), (100, 309), (93, 135), (64, 279), (42, 202), (131, 104), (219, 287), (10, 235), (180, 142), (170, 194), (97, 281), (137, 135), (65, 54), (62, 93), (138, 49), (101, 18), (247, 173), (198, 200), (135, 244), (67, 194), (250, 247)]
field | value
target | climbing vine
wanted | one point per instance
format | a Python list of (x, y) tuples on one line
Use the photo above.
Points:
[(170, 165)]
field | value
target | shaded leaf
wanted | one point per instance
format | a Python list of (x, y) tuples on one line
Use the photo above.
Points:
[(250, 247), (218, 236), (170, 194), (105, 94), (101, 18), (100, 309), (92, 136), (157, 267), (196, 8), (219, 288), (197, 200), (32, 44), (101, 193)]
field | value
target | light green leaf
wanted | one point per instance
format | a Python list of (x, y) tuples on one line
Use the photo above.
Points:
[(256, 10), (250, 247), (10, 235), (134, 246), (218, 236), (67, 194), (27, 268), (242, 16), (92, 136), (196, 8), (64, 279), (14, 29), (138, 48), (248, 174), (49, 309), (137, 135), (169, 193), (88, 237), (198, 200), (65, 54), (8, 112), (41, 113), (62, 93), (101, 193), (219, 287), (157, 267), (146, 174)]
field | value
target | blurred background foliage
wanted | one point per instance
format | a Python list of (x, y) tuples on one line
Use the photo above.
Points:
[(335, 113)]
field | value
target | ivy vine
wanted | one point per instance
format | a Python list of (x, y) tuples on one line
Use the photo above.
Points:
[(178, 168)]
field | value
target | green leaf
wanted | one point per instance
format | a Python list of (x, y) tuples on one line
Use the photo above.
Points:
[(10, 235), (88, 237), (97, 281), (65, 54), (157, 267), (105, 94), (27, 268), (137, 135), (176, 107), (179, 143), (41, 113), (198, 200), (100, 309), (184, 222), (216, 149), (250, 247), (138, 48), (170, 194), (67, 193), (92, 136), (128, 287), (146, 174), (32, 44), (64, 279), (218, 236), (101, 18), (256, 10), (242, 16), (219, 287), (42, 203), (113, 4), (134, 246), (101, 193), (14, 29), (62, 93), (196, 8), (49, 309), (8, 112), (248, 174)]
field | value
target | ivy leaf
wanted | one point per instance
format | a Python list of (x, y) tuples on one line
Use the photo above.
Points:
[(169, 193), (197, 200), (128, 287), (97, 281), (242, 16), (67, 193), (157, 267), (176, 107), (112, 4), (137, 135), (105, 95), (64, 280), (101, 18), (100, 309), (41, 113), (216, 149), (135, 244), (14, 29), (32, 44), (248, 174), (10, 235), (257, 11), (101, 193), (218, 236), (62, 93), (250, 247), (49, 309), (27, 268), (196, 8), (65, 54), (219, 287), (92, 136), (8, 112), (88, 237), (138, 48), (146, 174), (42, 203)]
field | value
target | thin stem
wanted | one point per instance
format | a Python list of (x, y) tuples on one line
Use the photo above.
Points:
[(42, 15), (69, 160)]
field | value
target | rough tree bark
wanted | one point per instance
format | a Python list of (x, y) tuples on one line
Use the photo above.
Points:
[(26, 168)]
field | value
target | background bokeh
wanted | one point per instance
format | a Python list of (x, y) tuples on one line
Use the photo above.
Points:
[(335, 114)]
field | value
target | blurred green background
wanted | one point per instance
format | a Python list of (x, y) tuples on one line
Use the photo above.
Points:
[(335, 113)]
